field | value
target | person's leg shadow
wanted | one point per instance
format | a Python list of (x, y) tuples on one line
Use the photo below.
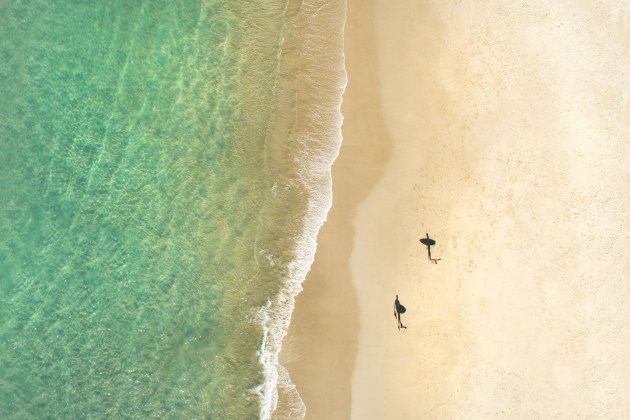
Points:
[(429, 242)]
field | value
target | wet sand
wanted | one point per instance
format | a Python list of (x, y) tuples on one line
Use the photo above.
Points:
[(502, 131)]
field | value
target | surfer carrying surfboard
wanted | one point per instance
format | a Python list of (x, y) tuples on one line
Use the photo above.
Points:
[(399, 309)]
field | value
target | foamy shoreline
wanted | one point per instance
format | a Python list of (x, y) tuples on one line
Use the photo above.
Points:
[(499, 130), (318, 88)]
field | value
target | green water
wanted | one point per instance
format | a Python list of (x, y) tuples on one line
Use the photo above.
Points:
[(140, 225)]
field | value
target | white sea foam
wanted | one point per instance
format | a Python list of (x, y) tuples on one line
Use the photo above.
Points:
[(295, 406), (320, 145)]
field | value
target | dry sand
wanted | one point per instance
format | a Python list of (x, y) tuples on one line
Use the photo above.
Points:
[(503, 130)]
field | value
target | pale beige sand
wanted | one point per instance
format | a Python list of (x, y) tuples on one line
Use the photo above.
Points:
[(503, 130)]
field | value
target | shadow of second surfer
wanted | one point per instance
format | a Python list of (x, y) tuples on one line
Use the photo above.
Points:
[(399, 309)]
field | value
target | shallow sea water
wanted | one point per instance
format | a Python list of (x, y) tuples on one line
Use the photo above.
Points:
[(162, 186)]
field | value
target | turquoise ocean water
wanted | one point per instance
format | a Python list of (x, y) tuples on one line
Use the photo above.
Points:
[(164, 169)]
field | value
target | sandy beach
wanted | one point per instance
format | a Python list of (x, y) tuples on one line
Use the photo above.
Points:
[(502, 131)]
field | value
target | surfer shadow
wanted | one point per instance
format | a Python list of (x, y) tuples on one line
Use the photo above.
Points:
[(399, 309), (429, 243)]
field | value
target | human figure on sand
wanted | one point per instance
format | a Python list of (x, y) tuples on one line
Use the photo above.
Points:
[(428, 242), (399, 309)]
